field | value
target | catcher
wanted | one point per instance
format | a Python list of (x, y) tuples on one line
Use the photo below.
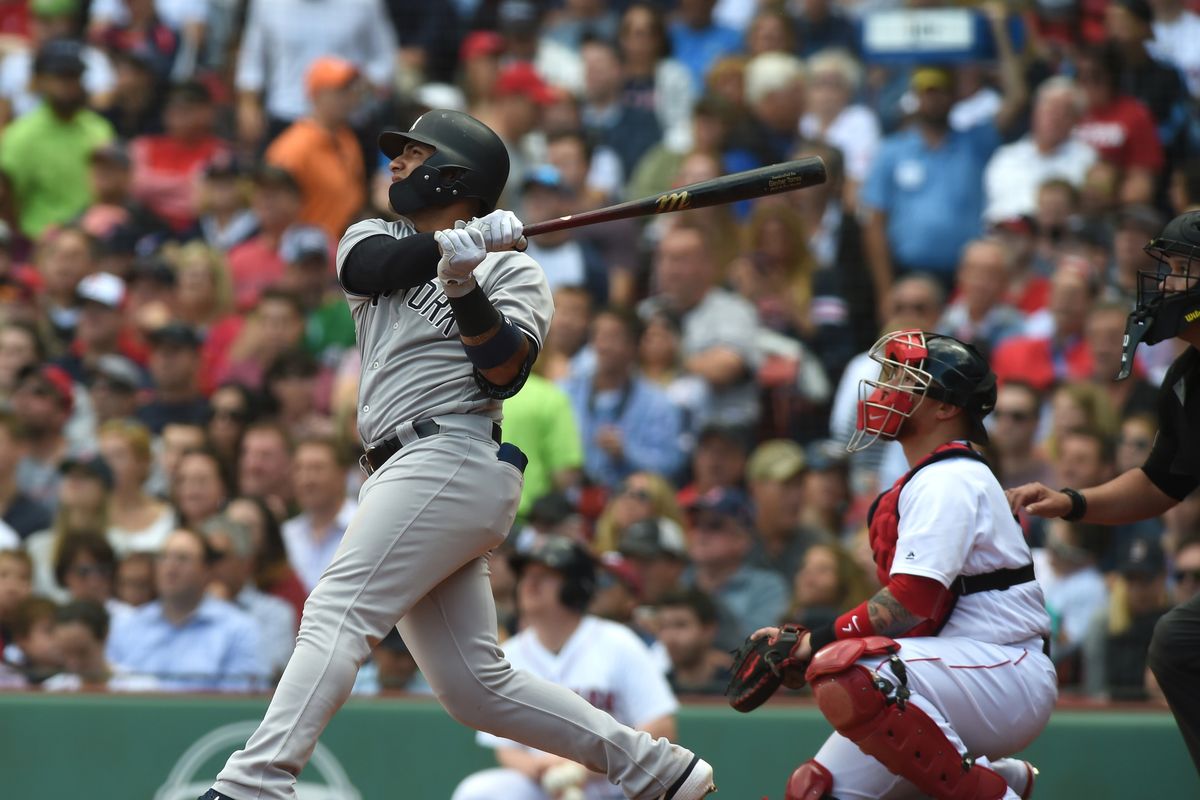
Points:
[(940, 675)]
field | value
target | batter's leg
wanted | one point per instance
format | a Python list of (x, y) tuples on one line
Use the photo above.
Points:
[(1175, 661), (418, 522), (451, 633)]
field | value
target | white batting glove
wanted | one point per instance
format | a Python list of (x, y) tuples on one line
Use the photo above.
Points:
[(565, 781), (501, 230), (462, 251)]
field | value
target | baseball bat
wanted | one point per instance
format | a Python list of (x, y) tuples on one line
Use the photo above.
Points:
[(747, 185)]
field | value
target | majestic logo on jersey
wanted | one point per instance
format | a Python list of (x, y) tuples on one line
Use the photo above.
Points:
[(431, 303)]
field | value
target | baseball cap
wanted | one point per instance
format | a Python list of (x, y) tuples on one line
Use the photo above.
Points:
[(521, 78), (551, 509), (481, 43), (53, 376), (304, 242), (93, 466), (102, 288), (118, 371), (59, 57), (329, 72), (776, 460), (111, 153), (617, 567), (547, 176), (1021, 224), (648, 538), (924, 78), (723, 502), (1142, 558), (735, 434), (175, 333)]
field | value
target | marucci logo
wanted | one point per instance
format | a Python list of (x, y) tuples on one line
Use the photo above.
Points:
[(674, 201)]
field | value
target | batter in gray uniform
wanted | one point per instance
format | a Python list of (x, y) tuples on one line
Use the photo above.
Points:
[(449, 319)]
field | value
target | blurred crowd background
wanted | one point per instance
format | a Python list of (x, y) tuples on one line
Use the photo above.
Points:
[(178, 373)]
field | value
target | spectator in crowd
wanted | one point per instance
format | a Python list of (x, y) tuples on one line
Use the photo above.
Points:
[(776, 269), (273, 573), (1135, 225), (642, 495), (774, 97), (391, 669), (578, 18), (718, 462), (175, 440), (203, 294), (84, 568), (700, 40), (282, 39), (186, 638), (167, 167), (200, 487), (1013, 435), (42, 403), (618, 593), (275, 326), (775, 475), (661, 361), (770, 31), (565, 259), (822, 24), (567, 351), (686, 624), (136, 519), (44, 153), (832, 116), (1118, 638), (924, 194), (1103, 333), (265, 464), (114, 385), (20, 346), (80, 630), (629, 131), (33, 651), (257, 263), (225, 218), (654, 78), (627, 424), (137, 100), (1073, 586), (1082, 457), (1049, 151), (1175, 28), (329, 328), (175, 377), (826, 487), (658, 552), (312, 537), (64, 257), (718, 327), (321, 150), (554, 584), (16, 584), (233, 408), (116, 216), (1079, 406), (979, 314), (100, 297), (1185, 576), (232, 581), (719, 541), (519, 22), (134, 581), (20, 515), (290, 388), (81, 507), (539, 420), (828, 580)]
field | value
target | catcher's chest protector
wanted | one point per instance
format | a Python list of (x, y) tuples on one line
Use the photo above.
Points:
[(883, 519)]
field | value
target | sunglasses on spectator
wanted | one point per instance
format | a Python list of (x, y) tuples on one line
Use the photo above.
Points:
[(1015, 416), (1185, 575), (90, 570), (636, 494)]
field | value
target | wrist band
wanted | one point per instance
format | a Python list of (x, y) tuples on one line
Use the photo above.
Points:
[(1078, 505)]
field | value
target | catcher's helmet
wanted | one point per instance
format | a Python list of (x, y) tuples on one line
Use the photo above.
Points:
[(1169, 297), (469, 160), (571, 559), (915, 365)]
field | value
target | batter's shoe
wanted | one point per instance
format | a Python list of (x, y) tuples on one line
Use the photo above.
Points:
[(1019, 775), (695, 783)]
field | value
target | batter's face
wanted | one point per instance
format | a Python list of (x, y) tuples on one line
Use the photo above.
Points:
[(414, 155)]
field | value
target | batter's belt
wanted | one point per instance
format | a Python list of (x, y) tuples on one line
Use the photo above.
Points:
[(377, 454)]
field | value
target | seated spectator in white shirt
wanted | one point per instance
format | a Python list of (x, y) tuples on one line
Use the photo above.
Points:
[(1015, 171), (311, 539), (188, 639), (232, 581)]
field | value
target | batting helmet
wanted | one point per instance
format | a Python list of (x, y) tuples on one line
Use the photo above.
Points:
[(915, 365), (1169, 297), (569, 558), (469, 160)]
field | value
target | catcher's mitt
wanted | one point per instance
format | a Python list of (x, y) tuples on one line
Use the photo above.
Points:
[(761, 665)]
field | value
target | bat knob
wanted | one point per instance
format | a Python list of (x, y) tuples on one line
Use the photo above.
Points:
[(521, 244)]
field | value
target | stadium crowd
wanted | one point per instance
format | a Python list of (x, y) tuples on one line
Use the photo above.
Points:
[(178, 375)]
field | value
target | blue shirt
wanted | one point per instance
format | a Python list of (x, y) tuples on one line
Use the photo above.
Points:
[(649, 423), (216, 648), (933, 198), (699, 49)]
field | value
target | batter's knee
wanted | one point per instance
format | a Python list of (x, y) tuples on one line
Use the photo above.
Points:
[(473, 694), (810, 781)]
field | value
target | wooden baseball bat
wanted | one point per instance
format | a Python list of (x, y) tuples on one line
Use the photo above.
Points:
[(747, 185)]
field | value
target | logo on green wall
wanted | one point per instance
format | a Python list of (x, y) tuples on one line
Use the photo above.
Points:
[(194, 772)]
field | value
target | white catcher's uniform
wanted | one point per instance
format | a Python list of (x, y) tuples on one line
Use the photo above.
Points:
[(984, 678), (603, 662), (415, 552)]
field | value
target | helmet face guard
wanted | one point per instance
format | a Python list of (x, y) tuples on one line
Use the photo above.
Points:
[(1168, 298), (884, 404)]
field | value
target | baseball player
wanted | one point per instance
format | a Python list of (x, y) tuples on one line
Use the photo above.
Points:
[(942, 673), (449, 320), (602, 661)]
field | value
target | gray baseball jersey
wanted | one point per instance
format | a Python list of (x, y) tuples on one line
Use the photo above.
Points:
[(413, 364)]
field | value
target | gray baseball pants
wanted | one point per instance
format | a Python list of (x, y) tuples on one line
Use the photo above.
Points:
[(415, 553)]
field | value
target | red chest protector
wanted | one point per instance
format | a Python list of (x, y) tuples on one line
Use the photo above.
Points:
[(883, 519)]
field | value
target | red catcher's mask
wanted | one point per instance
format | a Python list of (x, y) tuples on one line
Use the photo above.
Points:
[(884, 404)]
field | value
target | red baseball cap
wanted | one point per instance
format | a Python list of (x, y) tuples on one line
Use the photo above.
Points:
[(481, 43), (55, 377), (522, 78)]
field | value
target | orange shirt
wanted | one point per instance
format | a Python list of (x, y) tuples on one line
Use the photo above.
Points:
[(329, 168)]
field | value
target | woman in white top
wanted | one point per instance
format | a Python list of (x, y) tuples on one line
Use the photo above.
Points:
[(831, 117), (653, 80), (136, 520)]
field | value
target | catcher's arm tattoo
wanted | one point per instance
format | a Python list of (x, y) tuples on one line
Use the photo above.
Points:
[(889, 617)]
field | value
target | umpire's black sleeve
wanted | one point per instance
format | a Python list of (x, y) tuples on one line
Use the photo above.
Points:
[(382, 263)]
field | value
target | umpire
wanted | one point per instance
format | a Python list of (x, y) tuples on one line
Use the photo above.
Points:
[(1168, 305)]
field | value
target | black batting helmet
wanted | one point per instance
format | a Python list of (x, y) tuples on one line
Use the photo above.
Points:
[(571, 559), (1162, 312), (469, 160)]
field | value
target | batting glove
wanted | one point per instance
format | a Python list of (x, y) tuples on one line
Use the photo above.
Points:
[(501, 230), (462, 251)]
